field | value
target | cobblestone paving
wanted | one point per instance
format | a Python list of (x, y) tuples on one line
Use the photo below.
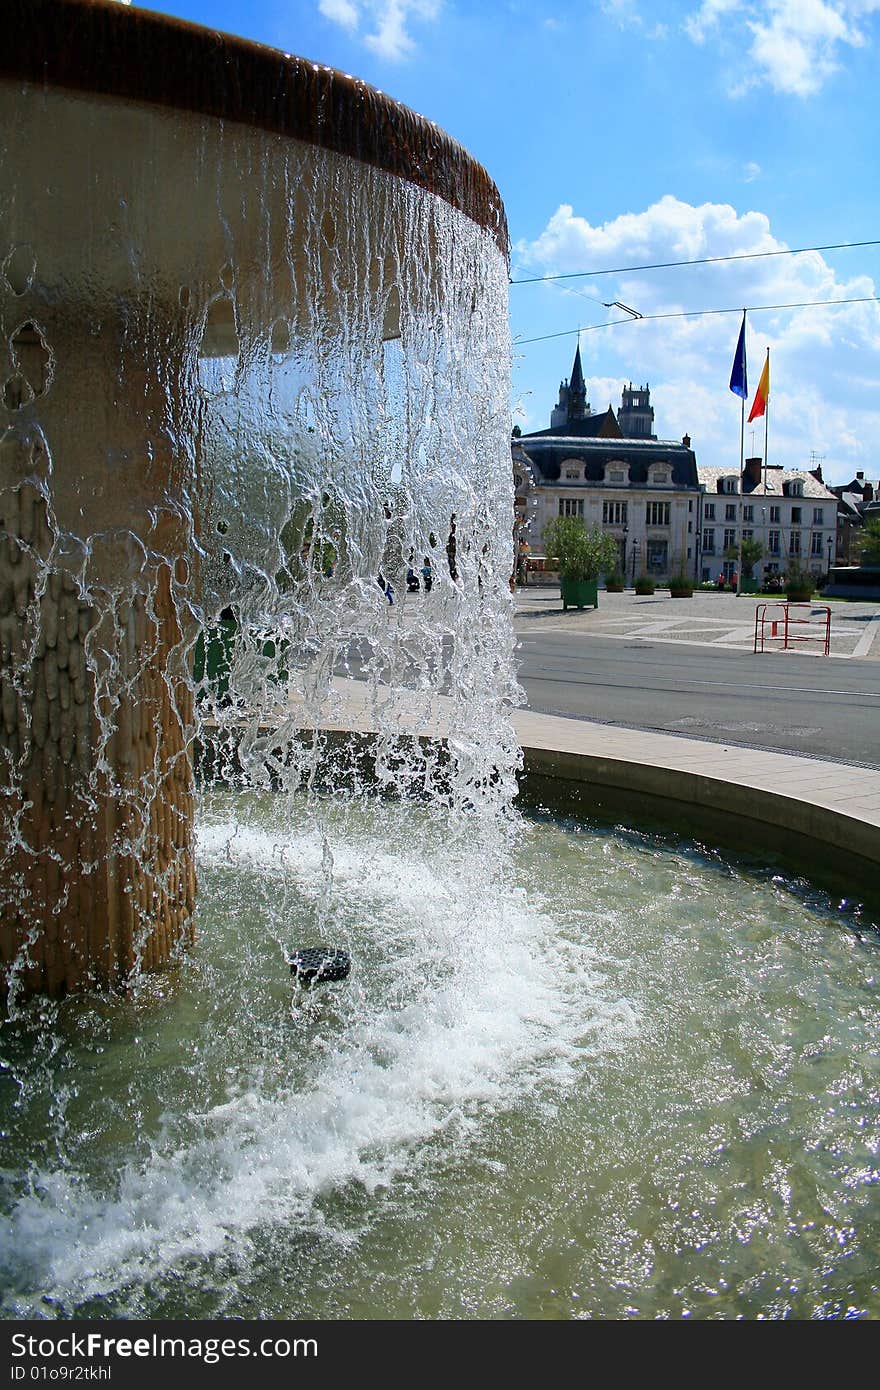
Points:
[(717, 620)]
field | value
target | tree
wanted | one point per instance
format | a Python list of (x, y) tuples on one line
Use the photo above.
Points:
[(869, 542), (581, 554), (752, 551)]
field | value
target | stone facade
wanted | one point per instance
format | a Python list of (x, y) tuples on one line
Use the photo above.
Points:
[(643, 491), (787, 510)]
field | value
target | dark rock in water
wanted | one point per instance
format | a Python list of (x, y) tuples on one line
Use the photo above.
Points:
[(317, 964)]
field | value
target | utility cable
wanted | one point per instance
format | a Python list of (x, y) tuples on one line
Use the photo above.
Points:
[(704, 260), (697, 313)]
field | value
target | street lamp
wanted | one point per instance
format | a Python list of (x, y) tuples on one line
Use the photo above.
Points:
[(830, 540), (623, 564)]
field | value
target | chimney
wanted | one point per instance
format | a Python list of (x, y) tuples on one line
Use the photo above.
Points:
[(868, 493), (817, 473), (752, 471), (861, 477), (686, 440)]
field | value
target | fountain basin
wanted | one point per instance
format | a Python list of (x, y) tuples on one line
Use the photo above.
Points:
[(639, 1081)]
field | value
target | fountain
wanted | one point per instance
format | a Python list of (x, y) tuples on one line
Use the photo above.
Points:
[(241, 296), (256, 357)]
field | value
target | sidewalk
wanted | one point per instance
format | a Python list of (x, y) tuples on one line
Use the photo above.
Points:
[(835, 807), (707, 619)]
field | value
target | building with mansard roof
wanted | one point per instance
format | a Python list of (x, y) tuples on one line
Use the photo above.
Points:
[(789, 511), (643, 491)]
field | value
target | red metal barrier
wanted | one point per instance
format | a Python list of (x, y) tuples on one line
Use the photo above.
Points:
[(790, 624)]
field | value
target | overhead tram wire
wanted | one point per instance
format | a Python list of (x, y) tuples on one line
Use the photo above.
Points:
[(704, 260), (697, 313)]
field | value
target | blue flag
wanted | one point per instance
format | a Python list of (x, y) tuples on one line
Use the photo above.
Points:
[(738, 374)]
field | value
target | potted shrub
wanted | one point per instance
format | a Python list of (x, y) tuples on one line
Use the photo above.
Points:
[(798, 584), (645, 584), (681, 586), (752, 552), (614, 582), (582, 556)]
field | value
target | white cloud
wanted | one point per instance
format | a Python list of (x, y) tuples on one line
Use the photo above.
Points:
[(752, 171), (342, 12), (706, 18), (626, 14), (824, 360), (796, 45), (385, 23)]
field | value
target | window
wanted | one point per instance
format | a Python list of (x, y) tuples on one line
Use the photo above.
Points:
[(749, 513), (818, 516), (774, 515), (617, 476), (614, 513), (730, 485), (730, 512), (661, 477), (794, 543), (729, 538), (748, 535), (691, 505), (572, 474), (815, 545), (773, 541), (657, 556), (571, 506), (796, 516), (658, 514), (709, 511), (709, 541)]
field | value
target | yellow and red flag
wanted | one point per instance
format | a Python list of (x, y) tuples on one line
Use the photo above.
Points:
[(762, 395)]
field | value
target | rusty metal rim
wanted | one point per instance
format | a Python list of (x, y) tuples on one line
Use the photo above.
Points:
[(113, 50)]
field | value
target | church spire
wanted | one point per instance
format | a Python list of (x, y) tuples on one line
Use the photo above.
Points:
[(577, 387)]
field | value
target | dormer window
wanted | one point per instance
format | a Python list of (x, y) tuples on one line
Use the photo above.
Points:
[(728, 485), (796, 487), (572, 475)]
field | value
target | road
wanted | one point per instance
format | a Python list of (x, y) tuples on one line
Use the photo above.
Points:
[(793, 704)]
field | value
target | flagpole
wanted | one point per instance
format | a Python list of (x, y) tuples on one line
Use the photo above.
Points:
[(739, 387), (766, 421), (742, 439), (742, 434)]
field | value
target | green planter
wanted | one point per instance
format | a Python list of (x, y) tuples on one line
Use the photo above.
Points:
[(645, 586), (212, 658), (579, 593), (799, 595), (681, 591)]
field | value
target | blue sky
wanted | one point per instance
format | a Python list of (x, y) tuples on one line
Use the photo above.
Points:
[(622, 132)]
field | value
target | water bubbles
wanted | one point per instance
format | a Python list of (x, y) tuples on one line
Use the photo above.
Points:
[(19, 269)]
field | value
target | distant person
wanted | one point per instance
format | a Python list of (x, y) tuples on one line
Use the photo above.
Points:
[(451, 549)]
